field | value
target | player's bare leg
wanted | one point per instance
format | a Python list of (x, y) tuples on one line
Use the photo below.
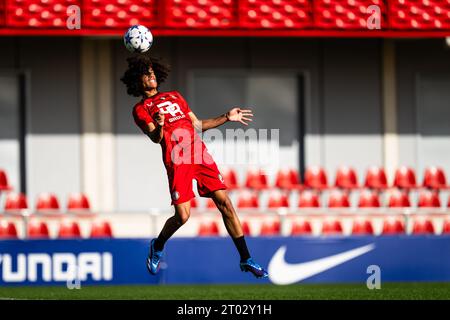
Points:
[(234, 228), (182, 213), (229, 216), (181, 216)]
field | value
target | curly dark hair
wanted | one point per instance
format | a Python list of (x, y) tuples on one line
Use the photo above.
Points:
[(138, 66)]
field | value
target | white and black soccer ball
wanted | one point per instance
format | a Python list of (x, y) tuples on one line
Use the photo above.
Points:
[(138, 38)]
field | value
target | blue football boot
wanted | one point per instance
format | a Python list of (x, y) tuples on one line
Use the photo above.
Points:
[(254, 268), (154, 258)]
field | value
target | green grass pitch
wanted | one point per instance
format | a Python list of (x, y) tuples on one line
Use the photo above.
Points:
[(401, 291)]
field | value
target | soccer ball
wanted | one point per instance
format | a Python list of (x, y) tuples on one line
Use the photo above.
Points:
[(138, 39)]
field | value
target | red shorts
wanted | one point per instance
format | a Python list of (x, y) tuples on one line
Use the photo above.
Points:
[(208, 179)]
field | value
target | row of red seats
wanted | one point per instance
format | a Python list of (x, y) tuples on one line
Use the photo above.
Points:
[(346, 178), (46, 201), (391, 226), (39, 230), (79, 201), (336, 199), (226, 14)]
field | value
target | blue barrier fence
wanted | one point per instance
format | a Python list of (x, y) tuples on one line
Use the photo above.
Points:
[(215, 260)]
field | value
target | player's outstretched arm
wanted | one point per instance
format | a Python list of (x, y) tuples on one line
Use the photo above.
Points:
[(236, 114)]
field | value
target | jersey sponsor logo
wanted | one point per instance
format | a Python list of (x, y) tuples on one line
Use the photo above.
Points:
[(281, 272), (59, 266), (170, 107), (177, 118), (221, 178)]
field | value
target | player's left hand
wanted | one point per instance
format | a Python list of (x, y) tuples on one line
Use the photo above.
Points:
[(241, 115)]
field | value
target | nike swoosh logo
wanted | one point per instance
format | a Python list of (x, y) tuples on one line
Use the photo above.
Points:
[(281, 272)]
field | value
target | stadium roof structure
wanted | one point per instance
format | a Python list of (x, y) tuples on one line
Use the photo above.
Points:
[(296, 18)]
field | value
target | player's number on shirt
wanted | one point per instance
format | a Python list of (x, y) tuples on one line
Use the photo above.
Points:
[(170, 107)]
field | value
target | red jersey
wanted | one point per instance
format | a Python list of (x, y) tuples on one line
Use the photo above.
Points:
[(181, 143)]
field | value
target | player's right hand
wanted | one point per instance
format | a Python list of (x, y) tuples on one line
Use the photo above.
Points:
[(159, 118)]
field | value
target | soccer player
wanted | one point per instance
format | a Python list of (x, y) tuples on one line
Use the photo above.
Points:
[(166, 119)]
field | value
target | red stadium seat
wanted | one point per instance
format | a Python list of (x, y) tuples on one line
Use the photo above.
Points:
[(270, 228), (47, 201), (287, 179), (316, 178), (245, 228), (423, 15), (117, 14), (37, 230), (393, 226), (16, 201), (273, 15), (429, 199), (247, 199), (78, 201), (405, 178), (301, 227), (7, 230), (4, 186), (278, 199), (399, 199), (376, 178), (256, 179), (69, 230), (101, 229), (368, 199), (230, 178), (196, 14), (338, 199), (208, 229), (283, 179), (362, 227), (39, 14), (423, 226), (346, 178), (308, 199), (446, 227), (194, 203), (344, 14), (330, 227), (434, 178)]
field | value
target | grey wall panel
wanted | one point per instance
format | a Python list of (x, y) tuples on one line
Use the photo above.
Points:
[(9, 106), (303, 56), (415, 58), (9, 128), (352, 91), (433, 121), (275, 100), (53, 115), (9, 109), (9, 57), (54, 84), (352, 104)]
